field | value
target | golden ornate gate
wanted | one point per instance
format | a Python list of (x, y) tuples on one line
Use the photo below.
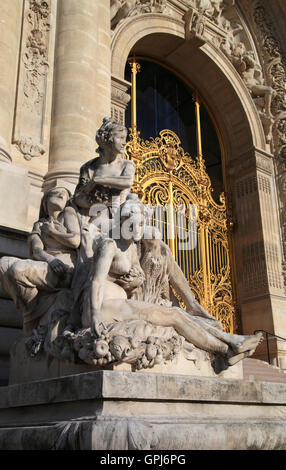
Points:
[(195, 227)]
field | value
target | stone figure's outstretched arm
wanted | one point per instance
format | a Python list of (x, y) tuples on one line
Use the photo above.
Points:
[(37, 249), (117, 182), (39, 254), (124, 181)]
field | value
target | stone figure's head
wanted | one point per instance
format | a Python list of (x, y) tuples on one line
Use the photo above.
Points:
[(111, 135), (55, 198), (132, 218)]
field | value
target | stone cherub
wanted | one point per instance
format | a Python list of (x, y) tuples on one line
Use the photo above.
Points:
[(213, 9)]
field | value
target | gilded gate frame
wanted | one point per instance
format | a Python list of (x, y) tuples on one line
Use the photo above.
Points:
[(167, 176)]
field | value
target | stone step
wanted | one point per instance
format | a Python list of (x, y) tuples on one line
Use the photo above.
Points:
[(262, 371)]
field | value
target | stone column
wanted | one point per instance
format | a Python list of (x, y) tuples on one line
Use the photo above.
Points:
[(10, 29), (82, 86), (258, 251)]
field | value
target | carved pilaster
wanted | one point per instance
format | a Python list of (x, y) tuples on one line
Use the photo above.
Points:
[(257, 242), (32, 79), (119, 99), (274, 64)]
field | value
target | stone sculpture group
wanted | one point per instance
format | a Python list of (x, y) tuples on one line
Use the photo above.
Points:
[(99, 286)]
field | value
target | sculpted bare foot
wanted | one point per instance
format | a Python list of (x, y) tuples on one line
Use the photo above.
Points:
[(238, 357), (241, 344)]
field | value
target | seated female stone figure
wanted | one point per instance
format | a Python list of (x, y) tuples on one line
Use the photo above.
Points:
[(117, 262), (53, 246), (104, 183), (107, 178)]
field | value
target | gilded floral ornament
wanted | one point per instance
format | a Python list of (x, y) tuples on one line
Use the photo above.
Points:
[(167, 176)]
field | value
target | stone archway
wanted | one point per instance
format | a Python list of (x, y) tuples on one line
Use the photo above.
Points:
[(249, 166), (205, 67)]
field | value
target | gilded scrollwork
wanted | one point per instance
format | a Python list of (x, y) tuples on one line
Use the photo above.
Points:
[(166, 175)]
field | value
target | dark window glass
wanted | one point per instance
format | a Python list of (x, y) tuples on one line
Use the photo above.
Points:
[(164, 101)]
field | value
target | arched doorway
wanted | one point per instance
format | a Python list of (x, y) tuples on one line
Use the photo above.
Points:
[(165, 101), (182, 184), (248, 165)]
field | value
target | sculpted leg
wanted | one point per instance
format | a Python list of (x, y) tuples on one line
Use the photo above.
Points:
[(266, 92), (186, 327), (180, 284), (238, 343), (24, 278), (193, 329), (122, 310), (104, 259)]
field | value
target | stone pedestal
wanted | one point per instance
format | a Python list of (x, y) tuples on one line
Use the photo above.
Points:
[(25, 369), (111, 410)]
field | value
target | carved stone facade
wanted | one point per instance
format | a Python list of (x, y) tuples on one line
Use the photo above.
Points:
[(64, 71), (32, 90)]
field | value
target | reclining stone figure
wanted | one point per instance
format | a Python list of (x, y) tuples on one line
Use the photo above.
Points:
[(117, 261), (119, 304)]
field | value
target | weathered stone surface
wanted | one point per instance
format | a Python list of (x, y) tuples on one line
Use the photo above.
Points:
[(24, 368), (14, 188), (136, 386), (121, 410), (8, 338), (9, 315)]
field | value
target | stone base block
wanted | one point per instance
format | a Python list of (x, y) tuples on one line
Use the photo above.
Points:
[(24, 368), (112, 410)]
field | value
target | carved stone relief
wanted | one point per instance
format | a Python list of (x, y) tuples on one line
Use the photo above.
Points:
[(220, 23), (32, 78), (121, 9), (275, 71)]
